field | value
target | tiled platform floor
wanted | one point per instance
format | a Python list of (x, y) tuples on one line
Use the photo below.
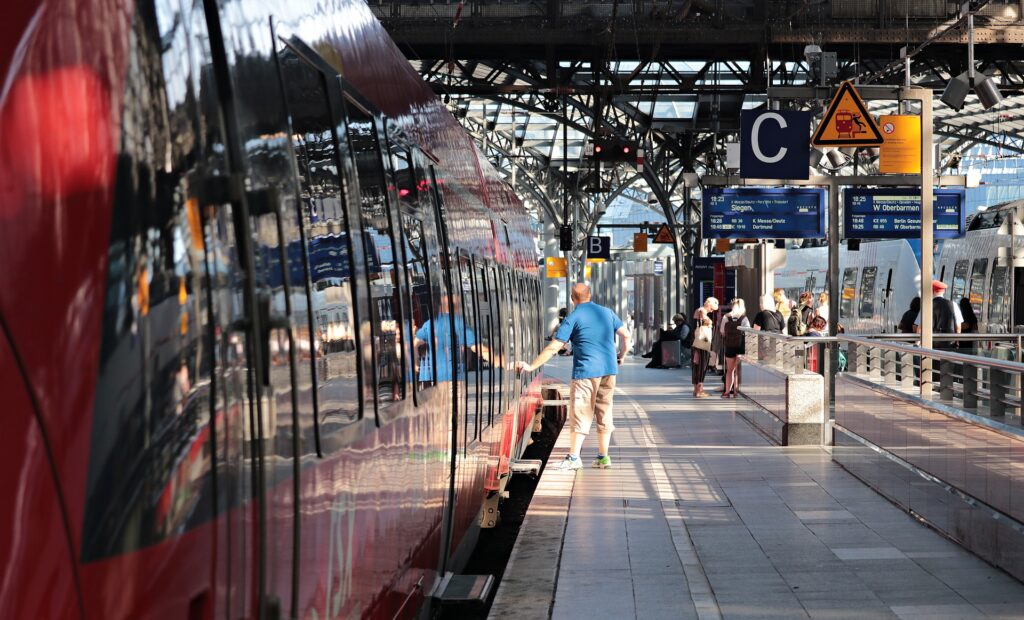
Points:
[(703, 518)]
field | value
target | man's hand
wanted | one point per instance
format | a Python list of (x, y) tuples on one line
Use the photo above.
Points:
[(619, 360), (521, 367)]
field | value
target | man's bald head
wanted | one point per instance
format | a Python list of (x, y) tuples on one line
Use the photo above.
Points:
[(580, 293)]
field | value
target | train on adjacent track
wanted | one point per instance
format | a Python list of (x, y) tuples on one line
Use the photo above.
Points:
[(879, 280), (258, 296)]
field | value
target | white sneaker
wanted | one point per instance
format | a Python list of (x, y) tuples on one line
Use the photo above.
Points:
[(570, 464)]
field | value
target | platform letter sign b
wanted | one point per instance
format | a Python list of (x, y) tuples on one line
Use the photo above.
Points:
[(775, 144), (599, 247)]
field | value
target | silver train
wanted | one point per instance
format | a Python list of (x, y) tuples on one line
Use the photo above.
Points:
[(882, 277)]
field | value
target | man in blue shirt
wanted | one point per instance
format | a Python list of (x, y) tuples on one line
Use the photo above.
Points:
[(595, 360)]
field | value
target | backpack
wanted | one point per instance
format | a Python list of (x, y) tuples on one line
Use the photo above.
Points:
[(733, 335), (797, 324)]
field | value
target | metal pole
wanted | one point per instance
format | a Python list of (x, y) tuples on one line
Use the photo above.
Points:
[(833, 292), (565, 200), (927, 233)]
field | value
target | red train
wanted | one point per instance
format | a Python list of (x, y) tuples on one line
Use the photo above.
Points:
[(258, 292)]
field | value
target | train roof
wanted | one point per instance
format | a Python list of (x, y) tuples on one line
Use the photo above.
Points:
[(995, 215)]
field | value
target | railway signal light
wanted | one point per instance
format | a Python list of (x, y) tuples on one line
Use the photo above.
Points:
[(565, 238), (613, 150)]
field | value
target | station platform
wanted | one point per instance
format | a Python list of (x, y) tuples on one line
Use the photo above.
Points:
[(702, 517)]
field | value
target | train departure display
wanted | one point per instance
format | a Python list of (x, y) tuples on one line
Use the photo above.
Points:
[(760, 213), (895, 213)]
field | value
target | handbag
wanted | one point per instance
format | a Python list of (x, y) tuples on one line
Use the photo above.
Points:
[(702, 340)]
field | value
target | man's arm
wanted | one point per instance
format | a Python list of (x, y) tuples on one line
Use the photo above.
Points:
[(623, 334), (540, 360)]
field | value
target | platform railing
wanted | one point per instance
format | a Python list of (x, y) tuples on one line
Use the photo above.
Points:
[(786, 353), (980, 384)]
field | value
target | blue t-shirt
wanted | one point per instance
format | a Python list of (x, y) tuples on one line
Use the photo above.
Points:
[(591, 329), (442, 327)]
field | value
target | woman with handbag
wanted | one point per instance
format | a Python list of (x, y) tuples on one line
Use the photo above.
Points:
[(703, 333)]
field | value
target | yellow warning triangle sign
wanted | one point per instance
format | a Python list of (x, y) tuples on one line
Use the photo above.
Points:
[(664, 235), (847, 122)]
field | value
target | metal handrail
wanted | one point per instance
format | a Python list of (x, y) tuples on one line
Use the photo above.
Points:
[(939, 354), (972, 383)]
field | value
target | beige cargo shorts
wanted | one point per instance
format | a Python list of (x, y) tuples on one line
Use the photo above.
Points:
[(589, 399)]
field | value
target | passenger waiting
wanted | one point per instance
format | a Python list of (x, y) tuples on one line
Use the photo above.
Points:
[(970, 325), (703, 334), (946, 317), (768, 319), (678, 333), (734, 345), (783, 307), (818, 327), (906, 325), (822, 309)]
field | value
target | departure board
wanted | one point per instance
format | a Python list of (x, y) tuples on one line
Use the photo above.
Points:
[(895, 213), (760, 213)]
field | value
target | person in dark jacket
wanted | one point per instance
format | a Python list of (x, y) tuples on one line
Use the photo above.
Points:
[(678, 333), (970, 325), (769, 319), (906, 325), (946, 317), (734, 345)]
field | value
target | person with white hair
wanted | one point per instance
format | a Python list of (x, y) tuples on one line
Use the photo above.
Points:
[(703, 330)]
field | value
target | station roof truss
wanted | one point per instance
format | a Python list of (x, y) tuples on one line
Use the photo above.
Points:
[(676, 76)]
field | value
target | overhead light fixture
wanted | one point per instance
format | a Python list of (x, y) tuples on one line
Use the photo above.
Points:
[(987, 91), (956, 91), (837, 158), (815, 157), (984, 86)]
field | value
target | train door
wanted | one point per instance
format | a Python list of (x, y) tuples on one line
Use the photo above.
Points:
[(447, 325), (259, 185), (166, 454)]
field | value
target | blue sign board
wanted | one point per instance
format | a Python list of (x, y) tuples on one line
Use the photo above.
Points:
[(759, 213), (895, 213), (775, 144)]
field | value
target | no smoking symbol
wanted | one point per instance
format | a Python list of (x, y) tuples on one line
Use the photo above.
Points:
[(888, 128)]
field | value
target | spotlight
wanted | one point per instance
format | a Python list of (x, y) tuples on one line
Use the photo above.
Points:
[(837, 158), (956, 91), (988, 92), (815, 157)]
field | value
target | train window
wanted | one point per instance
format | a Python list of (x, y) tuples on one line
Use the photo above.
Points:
[(414, 255), (497, 304), (472, 351), (381, 270), (849, 292), (485, 310), (959, 280), (169, 377), (976, 292), (997, 314), (329, 308), (867, 293)]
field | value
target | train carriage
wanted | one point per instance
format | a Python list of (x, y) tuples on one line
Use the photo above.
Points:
[(258, 299)]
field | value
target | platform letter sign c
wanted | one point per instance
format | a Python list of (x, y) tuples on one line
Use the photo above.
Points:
[(756, 132), (775, 144)]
